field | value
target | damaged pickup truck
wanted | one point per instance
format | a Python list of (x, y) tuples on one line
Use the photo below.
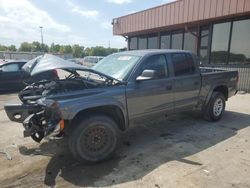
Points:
[(91, 107)]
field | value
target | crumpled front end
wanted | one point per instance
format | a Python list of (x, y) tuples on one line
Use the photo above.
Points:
[(40, 120)]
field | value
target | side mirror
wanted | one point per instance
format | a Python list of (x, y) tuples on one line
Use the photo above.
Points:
[(146, 75)]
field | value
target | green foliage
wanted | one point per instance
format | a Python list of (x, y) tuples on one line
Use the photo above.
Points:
[(44, 48), (100, 51), (7, 48), (54, 48), (36, 46), (87, 51), (67, 49), (3, 48), (12, 48), (61, 50), (77, 50), (25, 47)]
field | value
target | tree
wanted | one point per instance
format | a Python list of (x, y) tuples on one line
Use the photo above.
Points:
[(36, 46), (3, 48), (25, 47), (61, 50), (67, 49), (77, 51), (98, 51), (111, 51), (44, 48), (54, 48), (87, 51), (12, 48)]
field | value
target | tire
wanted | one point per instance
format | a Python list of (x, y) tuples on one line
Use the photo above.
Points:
[(94, 139), (215, 108)]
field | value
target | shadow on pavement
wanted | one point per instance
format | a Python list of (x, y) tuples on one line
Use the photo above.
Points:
[(143, 149)]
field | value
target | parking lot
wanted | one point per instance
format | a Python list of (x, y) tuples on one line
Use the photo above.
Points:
[(178, 151)]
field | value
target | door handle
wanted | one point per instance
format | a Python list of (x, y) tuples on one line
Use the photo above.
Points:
[(169, 87)]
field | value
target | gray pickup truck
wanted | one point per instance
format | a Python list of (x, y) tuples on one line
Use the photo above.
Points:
[(91, 107)]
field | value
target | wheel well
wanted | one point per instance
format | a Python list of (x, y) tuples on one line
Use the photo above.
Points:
[(111, 111), (223, 90)]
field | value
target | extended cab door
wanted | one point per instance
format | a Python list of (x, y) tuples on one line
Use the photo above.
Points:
[(187, 80), (150, 97)]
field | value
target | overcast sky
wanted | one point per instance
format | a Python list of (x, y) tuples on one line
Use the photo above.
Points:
[(84, 22)]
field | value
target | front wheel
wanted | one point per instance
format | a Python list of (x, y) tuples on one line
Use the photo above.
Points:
[(94, 139), (215, 108)]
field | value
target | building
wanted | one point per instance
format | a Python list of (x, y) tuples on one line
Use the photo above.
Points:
[(218, 31)]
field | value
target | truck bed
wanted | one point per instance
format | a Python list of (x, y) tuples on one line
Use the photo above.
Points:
[(213, 76)]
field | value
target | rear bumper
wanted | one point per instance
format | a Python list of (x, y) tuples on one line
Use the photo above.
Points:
[(232, 91)]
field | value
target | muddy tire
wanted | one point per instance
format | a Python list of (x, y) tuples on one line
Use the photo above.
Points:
[(215, 108), (94, 139)]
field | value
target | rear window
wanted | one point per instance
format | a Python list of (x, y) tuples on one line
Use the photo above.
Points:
[(183, 64)]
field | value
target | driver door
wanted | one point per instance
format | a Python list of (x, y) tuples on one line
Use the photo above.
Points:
[(146, 98)]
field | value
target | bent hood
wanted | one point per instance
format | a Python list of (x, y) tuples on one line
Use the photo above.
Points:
[(48, 62)]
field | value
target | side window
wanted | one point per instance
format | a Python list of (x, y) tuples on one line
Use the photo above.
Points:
[(157, 63), (183, 64), (10, 68)]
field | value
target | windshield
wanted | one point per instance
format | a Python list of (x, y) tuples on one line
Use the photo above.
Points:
[(117, 65)]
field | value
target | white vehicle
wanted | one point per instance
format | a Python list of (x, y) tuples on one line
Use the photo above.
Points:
[(90, 61)]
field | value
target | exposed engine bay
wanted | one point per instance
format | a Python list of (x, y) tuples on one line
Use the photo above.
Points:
[(39, 114), (72, 83)]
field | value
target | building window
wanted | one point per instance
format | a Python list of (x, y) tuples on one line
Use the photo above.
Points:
[(177, 40), (204, 40), (142, 43), (240, 42), (165, 41), (190, 41), (153, 42), (133, 43), (220, 41)]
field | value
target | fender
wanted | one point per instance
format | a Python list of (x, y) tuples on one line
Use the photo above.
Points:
[(212, 90)]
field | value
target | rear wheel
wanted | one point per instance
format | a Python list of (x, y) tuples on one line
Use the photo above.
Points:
[(94, 139), (215, 108)]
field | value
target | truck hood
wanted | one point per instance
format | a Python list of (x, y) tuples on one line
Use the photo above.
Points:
[(48, 62)]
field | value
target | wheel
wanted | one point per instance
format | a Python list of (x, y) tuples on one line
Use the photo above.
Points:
[(94, 139), (215, 108)]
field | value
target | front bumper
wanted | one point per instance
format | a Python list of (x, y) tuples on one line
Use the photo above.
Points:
[(38, 121), (19, 112)]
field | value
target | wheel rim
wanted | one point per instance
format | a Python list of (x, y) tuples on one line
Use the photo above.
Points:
[(218, 107), (96, 141)]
